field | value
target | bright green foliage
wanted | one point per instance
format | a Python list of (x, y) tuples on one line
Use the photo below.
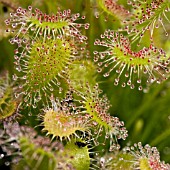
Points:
[(81, 72), (46, 60), (78, 154)]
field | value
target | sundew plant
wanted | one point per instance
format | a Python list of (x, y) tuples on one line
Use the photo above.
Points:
[(85, 85)]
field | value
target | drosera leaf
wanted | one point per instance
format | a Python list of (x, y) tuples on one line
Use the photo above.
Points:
[(96, 107), (41, 65), (149, 15), (131, 68), (24, 21), (63, 121)]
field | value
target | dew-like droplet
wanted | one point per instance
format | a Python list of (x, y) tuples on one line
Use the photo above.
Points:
[(106, 75), (140, 88), (123, 84), (1, 156), (129, 82), (132, 86), (99, 70), (29, 114), (139, 81), (14, 77)]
